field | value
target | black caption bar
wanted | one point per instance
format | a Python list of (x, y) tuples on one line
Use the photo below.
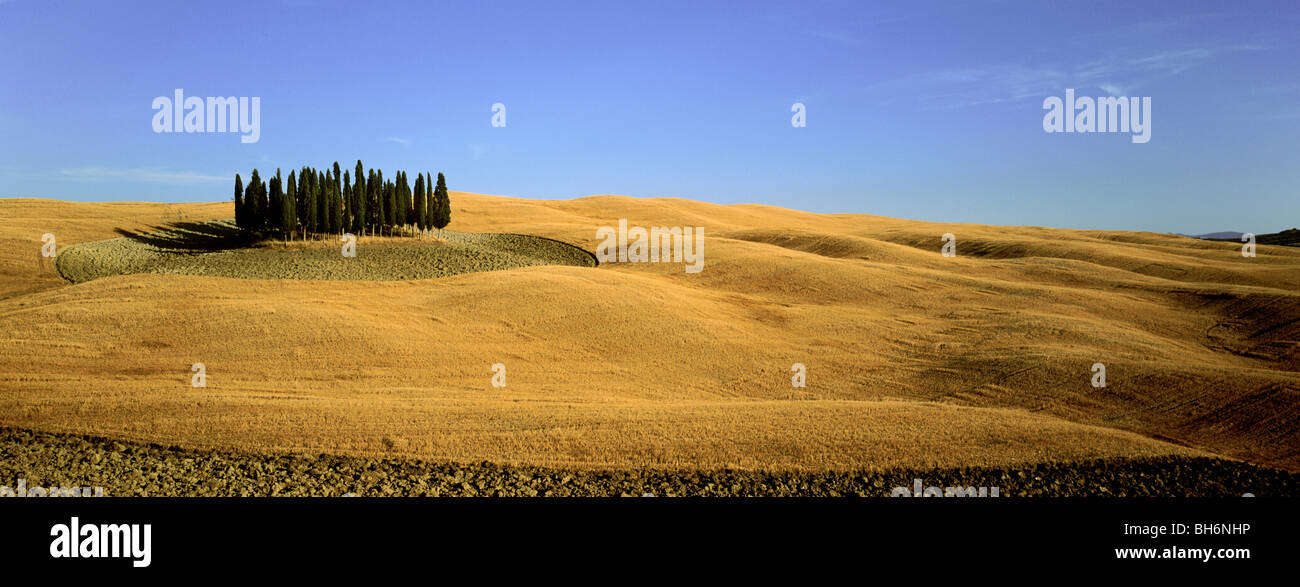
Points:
[(238, 536)]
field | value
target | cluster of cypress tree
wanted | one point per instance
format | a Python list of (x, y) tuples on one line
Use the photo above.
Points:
[(315, 202)]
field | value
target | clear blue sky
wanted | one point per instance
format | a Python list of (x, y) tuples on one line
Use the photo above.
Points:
[(917, 109)]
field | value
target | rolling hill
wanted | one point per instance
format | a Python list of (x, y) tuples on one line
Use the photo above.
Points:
[(913, 359)]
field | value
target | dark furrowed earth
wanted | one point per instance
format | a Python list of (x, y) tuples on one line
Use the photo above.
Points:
[(131, 469)]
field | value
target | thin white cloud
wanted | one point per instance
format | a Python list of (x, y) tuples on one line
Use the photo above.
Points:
[(1112, 89), (995, 83), (137, 174), (398, 140), (1115, 65)]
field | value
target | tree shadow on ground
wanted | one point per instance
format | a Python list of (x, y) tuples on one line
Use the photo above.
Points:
[(191, 237)]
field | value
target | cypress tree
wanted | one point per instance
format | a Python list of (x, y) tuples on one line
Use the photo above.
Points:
[(291, 202), (239, 201), (273, 210), (398, 218), (408, 200), (377, 201), (372, 201), (327, 213), (300, 199), (430, 206), (337, 178), (250, 202), (272, 205), (252, 214), (322, 204), (338, 222), (442, 217), (385, 208), (263, 206), (395, 196), (389, 205), (336, 201), (404, 200), (331, 217), (359, 200), (346, 221), (309, 201), (255, 205), (419, 202), (399, 214)]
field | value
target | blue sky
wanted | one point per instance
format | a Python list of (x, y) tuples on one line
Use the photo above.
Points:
[(926, 110)]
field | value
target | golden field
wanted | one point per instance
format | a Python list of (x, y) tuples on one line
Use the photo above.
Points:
[(914, 359)]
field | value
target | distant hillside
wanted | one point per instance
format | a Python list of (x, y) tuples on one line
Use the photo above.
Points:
[(1225, 235), (1289, 237)]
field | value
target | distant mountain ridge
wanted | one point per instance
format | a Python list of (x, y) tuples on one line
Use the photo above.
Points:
[(1289, 237), (1224, 235)]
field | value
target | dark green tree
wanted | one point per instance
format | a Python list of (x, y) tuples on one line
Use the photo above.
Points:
[(291, 203), (300, 200), (399, 213), (386, 205), (359, 200), (239, 201), (419, 202), (394, 207), (442, 217), (404, 201), (309, 201), (273, 219), (372, 201), (337, 224), (397, 218), (345, 220), (336, 201), (263, 206), (252, 214), (430, 207), (322, 203)]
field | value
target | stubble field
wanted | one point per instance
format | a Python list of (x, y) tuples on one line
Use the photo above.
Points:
[(915, 361)]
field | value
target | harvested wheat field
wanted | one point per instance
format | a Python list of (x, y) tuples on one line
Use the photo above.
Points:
[(914, 360)]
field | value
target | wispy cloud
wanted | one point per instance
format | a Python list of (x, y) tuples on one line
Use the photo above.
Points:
[(398, 140), (1114, 66), (995, 83), (149, 175)]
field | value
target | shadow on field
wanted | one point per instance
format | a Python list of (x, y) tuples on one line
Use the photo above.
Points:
[(191, 237)]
